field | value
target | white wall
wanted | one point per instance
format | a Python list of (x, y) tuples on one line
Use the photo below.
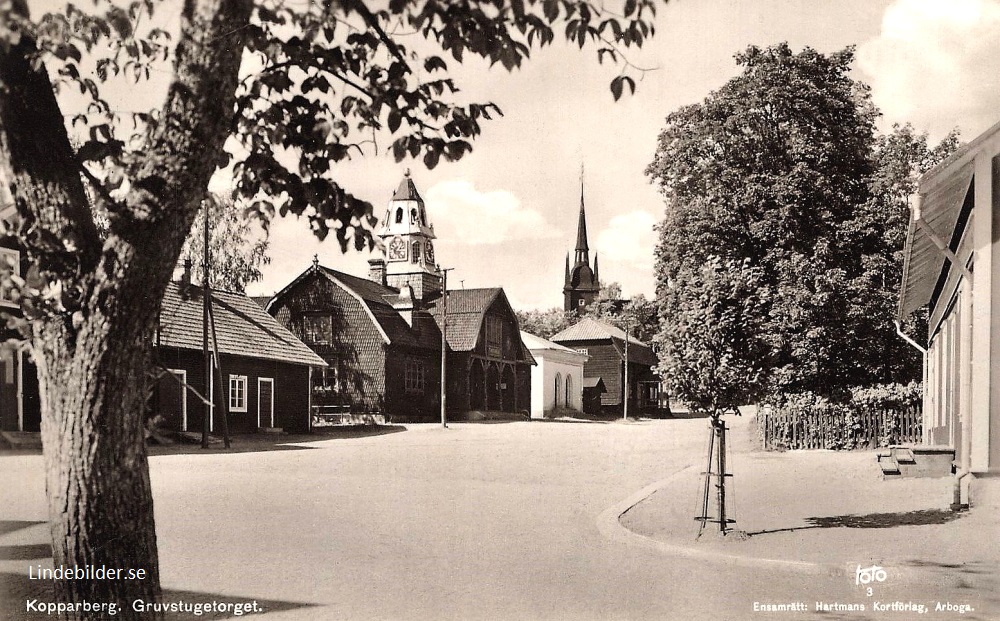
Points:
[(543, 398)]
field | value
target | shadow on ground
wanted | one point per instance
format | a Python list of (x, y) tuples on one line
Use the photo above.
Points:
[(260, 442), (16, 590), (922, 517)]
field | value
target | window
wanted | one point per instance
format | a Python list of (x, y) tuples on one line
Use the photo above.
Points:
[(399, 215), (581, 302), (415, 376), (494, 335), (569, 391), (327, 380), (10, 261), (237, 393), (416, 255), (317, 329), (413, 215), (558, 389), (583, 350)]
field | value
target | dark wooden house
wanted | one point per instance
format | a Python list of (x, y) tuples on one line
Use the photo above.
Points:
[(489, 368), (605, 344), (383, 351), (266, 370)]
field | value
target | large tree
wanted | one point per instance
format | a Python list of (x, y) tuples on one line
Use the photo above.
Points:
[(328, 78), (768, 169)]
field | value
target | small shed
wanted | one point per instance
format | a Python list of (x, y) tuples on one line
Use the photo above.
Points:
[(557, 381)]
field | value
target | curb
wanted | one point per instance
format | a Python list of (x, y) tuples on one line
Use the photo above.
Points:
[(609, 523)]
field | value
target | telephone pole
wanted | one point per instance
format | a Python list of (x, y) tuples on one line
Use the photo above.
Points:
[(444, 343)]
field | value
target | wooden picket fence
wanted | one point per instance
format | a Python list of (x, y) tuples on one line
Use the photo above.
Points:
[(870, 429)]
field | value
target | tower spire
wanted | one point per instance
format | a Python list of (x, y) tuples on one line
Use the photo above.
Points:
[(582, 249)]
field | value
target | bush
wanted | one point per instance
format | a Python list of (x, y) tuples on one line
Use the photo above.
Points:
[(867, 416)]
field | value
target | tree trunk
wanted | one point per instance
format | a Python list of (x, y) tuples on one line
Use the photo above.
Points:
[(92, 348), (96, 472)]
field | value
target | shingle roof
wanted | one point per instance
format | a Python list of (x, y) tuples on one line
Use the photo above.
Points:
[(466, 308), (261, 300), (590, 329), (378, 298), (242, 327), (595, 382)]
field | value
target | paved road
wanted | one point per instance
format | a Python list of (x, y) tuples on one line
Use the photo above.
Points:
[(479, 521)]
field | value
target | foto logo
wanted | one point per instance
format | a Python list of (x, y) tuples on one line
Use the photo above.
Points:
[(868, 575)]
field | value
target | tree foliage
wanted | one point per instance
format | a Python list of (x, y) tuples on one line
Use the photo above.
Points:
[(712, 350), (545, 323), (321, 82), (236, 249), (782, 168)]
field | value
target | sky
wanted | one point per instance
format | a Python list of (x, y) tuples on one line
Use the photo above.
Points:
[(506, 214)]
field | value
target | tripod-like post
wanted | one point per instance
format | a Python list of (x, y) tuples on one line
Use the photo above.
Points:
[(716, 458)]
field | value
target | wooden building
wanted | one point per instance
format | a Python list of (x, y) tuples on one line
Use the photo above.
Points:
[(381, 336), (383, 353), (266, 369), (604, 345), (952, 266), (489, 368), (20, 406)]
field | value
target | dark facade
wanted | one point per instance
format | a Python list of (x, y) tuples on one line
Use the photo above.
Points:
[(489, 368), (265, 370), (276, 394), (582, 285), (605, 345)]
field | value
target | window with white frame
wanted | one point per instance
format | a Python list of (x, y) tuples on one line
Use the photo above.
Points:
[(237, 393), (415, 375), (10, 261)]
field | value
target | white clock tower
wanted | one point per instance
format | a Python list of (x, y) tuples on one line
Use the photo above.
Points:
[(408, 240)]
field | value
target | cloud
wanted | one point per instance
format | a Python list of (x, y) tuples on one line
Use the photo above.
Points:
[(629, 239), (936, 64), (464, 214)]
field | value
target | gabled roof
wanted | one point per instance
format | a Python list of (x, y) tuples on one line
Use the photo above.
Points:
[(590, 329), (466, 311), (594, 382), (377, 300), (242, 327)]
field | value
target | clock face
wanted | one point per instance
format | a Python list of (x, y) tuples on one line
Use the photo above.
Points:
[(397, 249), (430, 252)]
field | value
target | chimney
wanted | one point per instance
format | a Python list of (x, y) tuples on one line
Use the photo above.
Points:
[(376, 271), (186, 277)]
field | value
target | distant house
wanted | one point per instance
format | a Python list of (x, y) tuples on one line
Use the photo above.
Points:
[(604, 345), (557, 381), (266, 369), (952, 266), (381, 336)]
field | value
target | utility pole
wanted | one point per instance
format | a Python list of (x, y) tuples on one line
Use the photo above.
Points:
[(444, 343), (206, 297), (625, 388)]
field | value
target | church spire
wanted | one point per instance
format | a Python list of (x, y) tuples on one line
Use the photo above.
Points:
[(567, 268), (582, 249)]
